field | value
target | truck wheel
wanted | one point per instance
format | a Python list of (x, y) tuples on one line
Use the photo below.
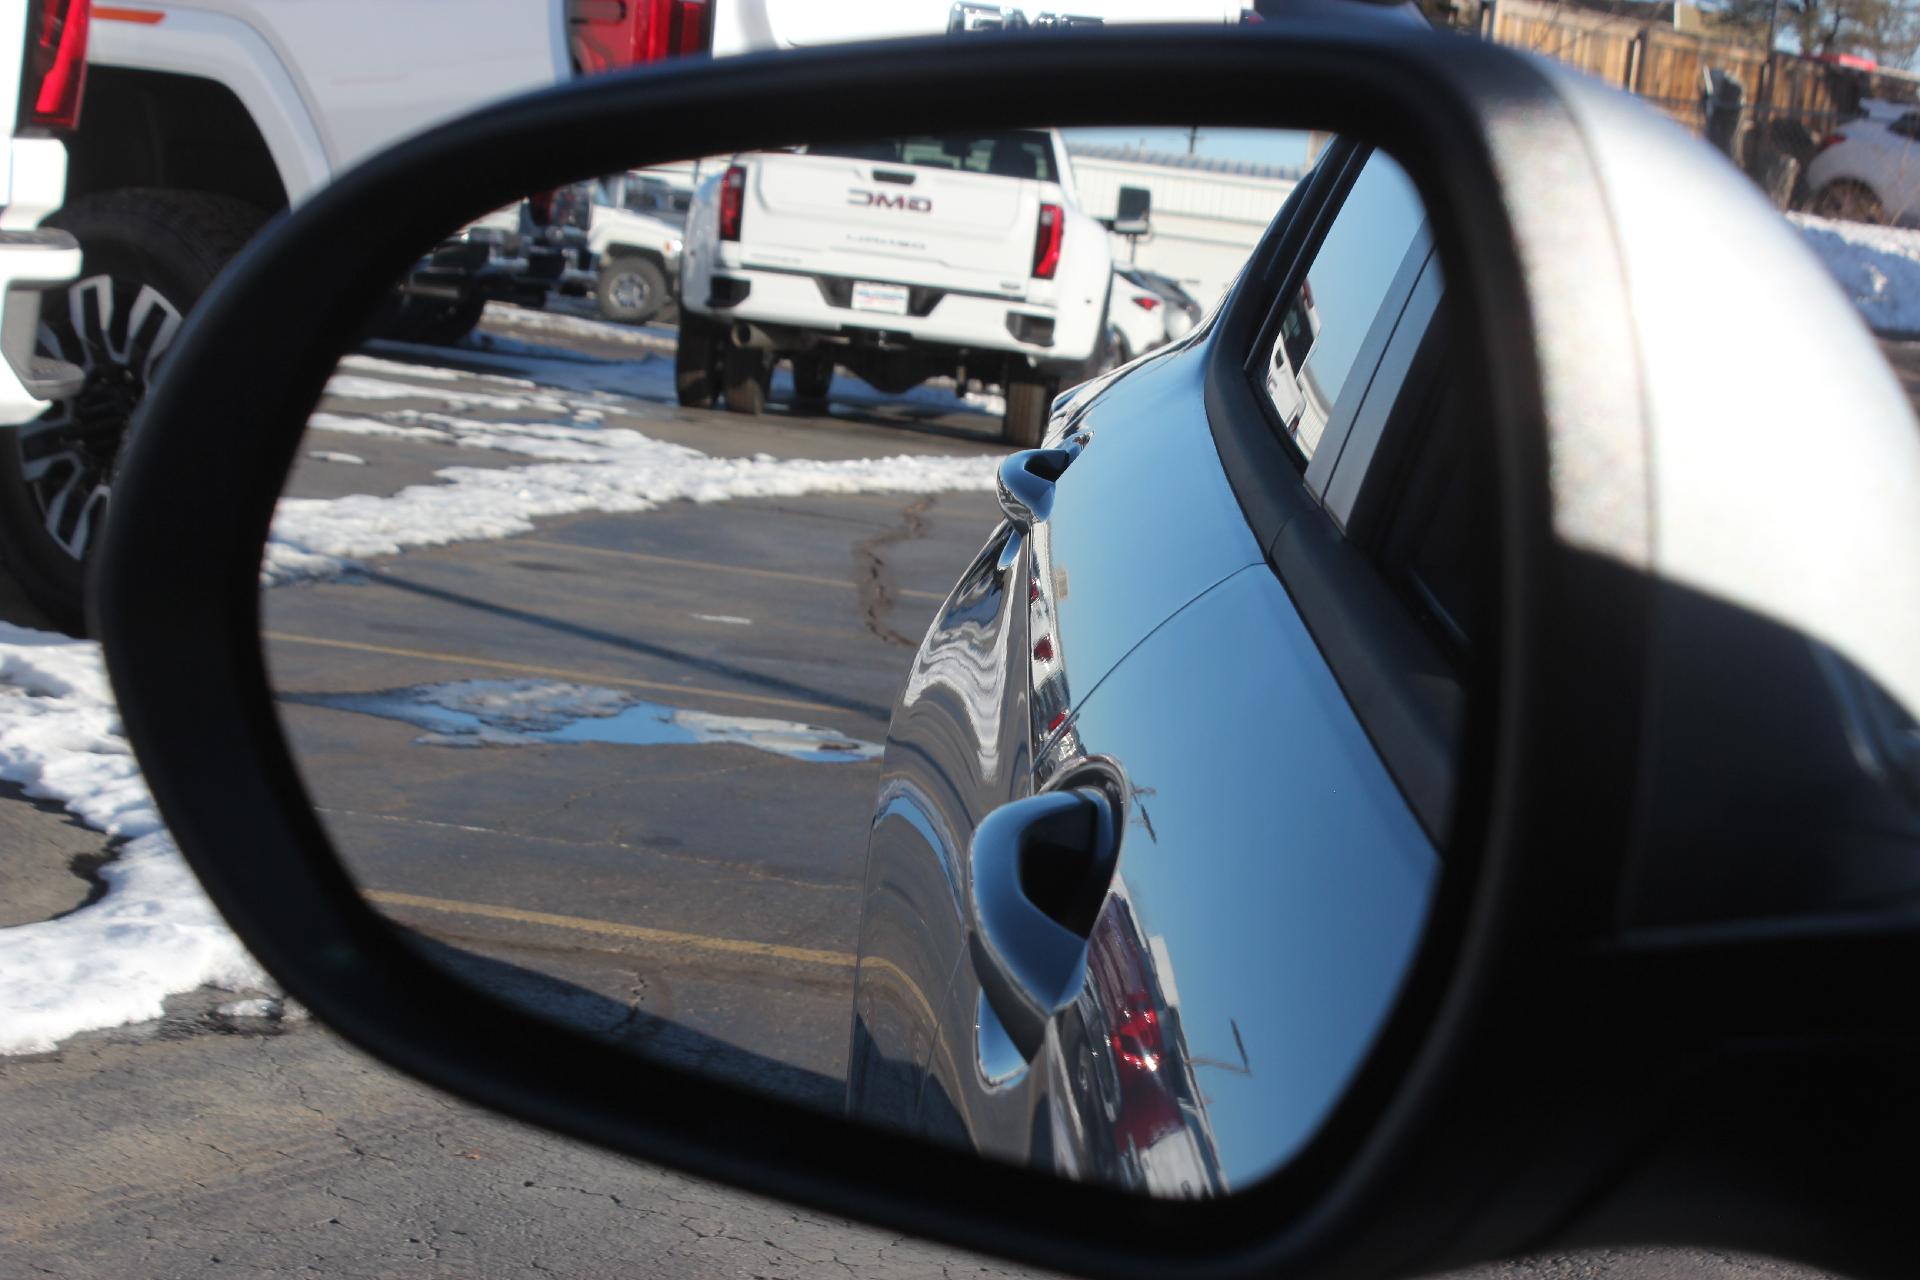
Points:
[(632, 290), (696, 356), (812, 379), (745, 374), (146, 257), (1848, 200), (1025, 422), (438, 324)]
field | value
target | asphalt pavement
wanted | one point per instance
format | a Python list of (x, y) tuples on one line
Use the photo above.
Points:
[(616, 767)]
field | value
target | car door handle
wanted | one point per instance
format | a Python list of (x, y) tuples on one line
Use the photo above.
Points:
[(1040, 869), (1025, 483)]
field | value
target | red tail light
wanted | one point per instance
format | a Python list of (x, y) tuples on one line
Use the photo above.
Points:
[(1046, 245), (1145, 301), (54, 71), (610, 34), (669, 29), (1828, 141), (733, 201), (1136, 1034), (540, 205)]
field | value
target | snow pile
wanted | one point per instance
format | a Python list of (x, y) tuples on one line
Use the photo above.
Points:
[(321, 537), (1879, 267), (355, 425), (428, 372), (521, 713), (154, 933), (573, 326), (354, 386)]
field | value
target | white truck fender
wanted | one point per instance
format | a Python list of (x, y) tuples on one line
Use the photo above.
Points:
[(212, 46)]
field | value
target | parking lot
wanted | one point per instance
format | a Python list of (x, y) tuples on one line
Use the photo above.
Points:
[(696, 898), (614, 762)]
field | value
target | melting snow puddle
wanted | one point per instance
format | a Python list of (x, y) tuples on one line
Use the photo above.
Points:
[(521, 713)]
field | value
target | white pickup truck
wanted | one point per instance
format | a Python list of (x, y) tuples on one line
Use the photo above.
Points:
[(899, 260), (639, 229)]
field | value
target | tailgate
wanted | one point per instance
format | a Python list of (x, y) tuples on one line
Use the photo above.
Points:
[(911, 224)]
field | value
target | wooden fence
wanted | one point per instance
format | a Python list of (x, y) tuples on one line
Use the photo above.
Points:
[(1663, 65)]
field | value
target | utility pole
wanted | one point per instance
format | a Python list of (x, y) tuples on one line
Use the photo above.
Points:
[(1193, 131)]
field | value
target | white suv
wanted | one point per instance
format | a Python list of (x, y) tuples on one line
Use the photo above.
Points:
[(1868, 169)]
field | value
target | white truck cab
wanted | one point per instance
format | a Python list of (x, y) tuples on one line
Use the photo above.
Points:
[(638, 234), (899, 260)]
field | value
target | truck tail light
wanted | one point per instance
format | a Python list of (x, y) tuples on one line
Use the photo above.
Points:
[(1145, 301), (610, 34), (1832, 139), (1046, 244), (733, 200), (54, 71)]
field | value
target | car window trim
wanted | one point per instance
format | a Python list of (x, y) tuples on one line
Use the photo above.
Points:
[(1382, 659), (1371, 447), (1367, 361)]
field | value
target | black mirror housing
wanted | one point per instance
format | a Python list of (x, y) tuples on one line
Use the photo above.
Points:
[(1548, 1076)]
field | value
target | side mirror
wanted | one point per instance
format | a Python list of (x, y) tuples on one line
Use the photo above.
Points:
[(1483, 831), (1133, 216)]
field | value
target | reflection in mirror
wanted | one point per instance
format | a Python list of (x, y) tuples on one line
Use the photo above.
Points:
[(609, 558)]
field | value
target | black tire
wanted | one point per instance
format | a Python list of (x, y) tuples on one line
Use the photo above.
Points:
[(438, 324), (1024, 424), (631, 290), (812, 379), (696, 359), (1850, 201), (744, 375), (146, 257)]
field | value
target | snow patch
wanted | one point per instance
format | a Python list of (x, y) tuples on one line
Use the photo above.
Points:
[(329, 455), (521, 713), (322, 537), (154, 933), (435, 373), (573, 326), (351, 386), (354, 425), (1879, 267), (260, 1007)]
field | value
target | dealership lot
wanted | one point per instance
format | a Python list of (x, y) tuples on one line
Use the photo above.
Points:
[(695, 899)]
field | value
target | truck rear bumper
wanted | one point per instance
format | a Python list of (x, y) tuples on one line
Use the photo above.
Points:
[(32, 259), (823, 307)]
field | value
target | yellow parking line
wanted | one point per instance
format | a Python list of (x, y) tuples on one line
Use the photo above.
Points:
[(639, 933), (590, 677), (781, 574)]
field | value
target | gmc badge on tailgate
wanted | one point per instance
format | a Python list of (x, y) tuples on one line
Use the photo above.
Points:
[(888, 200)]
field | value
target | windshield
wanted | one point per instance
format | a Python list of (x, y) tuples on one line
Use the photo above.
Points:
[(1012, 153)]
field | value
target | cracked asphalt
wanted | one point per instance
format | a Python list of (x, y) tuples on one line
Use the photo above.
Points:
[(218, 1143)]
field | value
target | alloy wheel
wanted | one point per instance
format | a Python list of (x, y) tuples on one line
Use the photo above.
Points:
[(116, 330)]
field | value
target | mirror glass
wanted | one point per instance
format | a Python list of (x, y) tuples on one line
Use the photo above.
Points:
[(670, 651)]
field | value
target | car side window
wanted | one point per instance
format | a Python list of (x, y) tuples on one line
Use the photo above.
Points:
[(1907, 126), (1392, 569), (1319, 330)]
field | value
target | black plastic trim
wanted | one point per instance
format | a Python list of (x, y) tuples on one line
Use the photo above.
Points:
[(1484, 1122)]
